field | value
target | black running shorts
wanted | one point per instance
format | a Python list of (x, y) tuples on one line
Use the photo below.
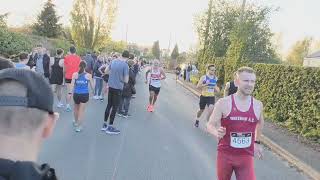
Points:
[(67, 80), (206, 101), (154, 89), (80, 98)]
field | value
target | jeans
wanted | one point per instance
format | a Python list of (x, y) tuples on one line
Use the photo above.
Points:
[(188, 76), (124, 105), (98, 86), (114, 98)]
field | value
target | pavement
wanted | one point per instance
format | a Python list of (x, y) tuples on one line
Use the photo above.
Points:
[(163, 145)]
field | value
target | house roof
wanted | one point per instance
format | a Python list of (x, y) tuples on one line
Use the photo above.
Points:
[(314, 55)]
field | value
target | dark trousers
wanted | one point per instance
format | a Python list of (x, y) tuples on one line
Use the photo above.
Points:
[(124, 105), (114, 98)]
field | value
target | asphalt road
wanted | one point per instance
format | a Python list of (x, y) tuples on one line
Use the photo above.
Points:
[(162, 145)]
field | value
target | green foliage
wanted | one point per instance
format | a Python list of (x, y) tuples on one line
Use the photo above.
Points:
[(13, 43), (59, 43), (66, 34), (3, 20), (156, 50), (134, 49), (175, 52), (47, 23), (182, 58), (219, 64), (226, 22), (92, 21), (236, 52), (299, 51), (194, 79), (290, 96), (114, 46), (214, 27)]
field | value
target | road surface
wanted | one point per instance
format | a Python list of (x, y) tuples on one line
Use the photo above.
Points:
[(162, 145)]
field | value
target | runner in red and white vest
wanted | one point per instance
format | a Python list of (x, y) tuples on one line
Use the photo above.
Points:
[(237, 122), (153, 77)]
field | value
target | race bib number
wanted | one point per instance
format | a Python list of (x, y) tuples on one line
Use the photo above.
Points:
[(240, 140), (210, 89)]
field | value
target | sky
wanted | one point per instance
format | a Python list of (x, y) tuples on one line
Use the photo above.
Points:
[(151, 20)]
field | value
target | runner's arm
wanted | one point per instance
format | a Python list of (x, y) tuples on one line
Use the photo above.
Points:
[(260, 124), (72, 83), (64, 69), (217, 89), (100, 69), (126, 74), (107, 70), (91, 83), (226, 89), (215, 120), (148, 71), (163, 74), (200, 83)]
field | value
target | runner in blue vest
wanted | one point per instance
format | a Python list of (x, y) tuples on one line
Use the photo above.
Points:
[(80, 85)]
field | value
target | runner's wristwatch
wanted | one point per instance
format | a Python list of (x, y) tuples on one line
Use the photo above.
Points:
[(257, 142)]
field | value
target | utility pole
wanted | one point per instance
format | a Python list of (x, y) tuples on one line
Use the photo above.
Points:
[(169, 43), (242, 9), (127, 34)]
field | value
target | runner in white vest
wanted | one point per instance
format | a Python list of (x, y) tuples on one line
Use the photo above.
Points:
[(153, 77)]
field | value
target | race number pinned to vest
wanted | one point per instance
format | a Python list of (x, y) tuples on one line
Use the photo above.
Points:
[(240, 139), (211, 89)]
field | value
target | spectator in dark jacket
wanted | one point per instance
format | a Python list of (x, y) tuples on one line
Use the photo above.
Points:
[(43, 63), (34, 56), (127, 92), (90, 62), (98, 79)]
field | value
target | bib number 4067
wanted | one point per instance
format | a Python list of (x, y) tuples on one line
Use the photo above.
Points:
[(240, 140)]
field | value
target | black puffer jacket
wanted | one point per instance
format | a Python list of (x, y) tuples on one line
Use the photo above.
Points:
[(21, 170), (128, 88)]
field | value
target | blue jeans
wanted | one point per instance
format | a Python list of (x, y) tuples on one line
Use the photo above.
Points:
[(124, 105), (188, 76), (98, 86)]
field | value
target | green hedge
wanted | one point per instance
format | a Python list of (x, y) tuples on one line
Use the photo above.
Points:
[(12, 43), (290, 94)]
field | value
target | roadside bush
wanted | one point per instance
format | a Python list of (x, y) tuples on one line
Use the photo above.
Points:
[(12, 43), (290, 94)]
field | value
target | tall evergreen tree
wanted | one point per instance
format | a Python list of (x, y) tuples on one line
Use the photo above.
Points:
[(175, 52), (156, 50), (47, 22)]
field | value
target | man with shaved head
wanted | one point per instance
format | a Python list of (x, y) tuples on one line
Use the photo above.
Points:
[(26, 120)]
